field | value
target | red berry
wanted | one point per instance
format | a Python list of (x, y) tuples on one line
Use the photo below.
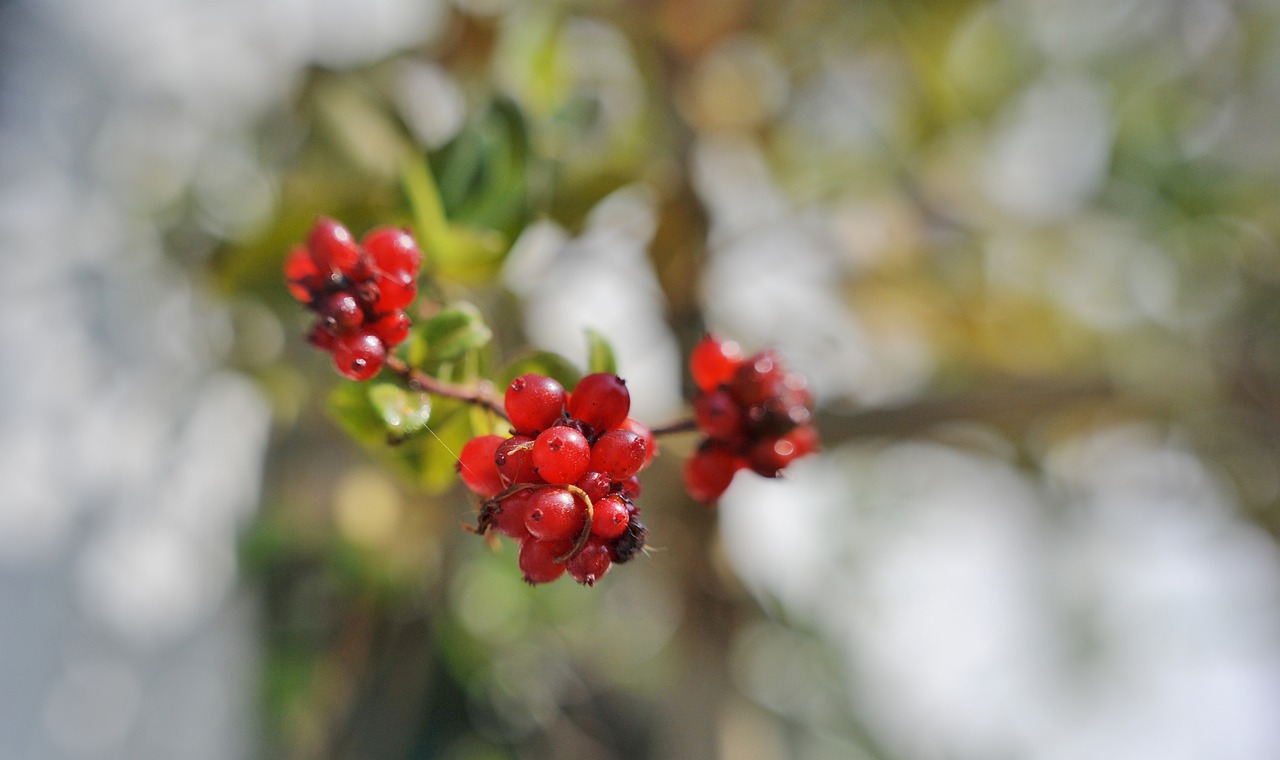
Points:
[(713, 361), (553, 513), (625, 547), (595, 485), (321, 338), (340, 312), (650, 442), (392, 328), (561, 454), (618, 453), (757, 379), (590, 564), (630, 487), (476, 465), (332, 247), (538, 560), (394, 291), (534, 403), (393, 250), (601, 400), (719, 416), (359, 355), (709, 472), (508, 515), (515, 460), (770, 456), (609, 517), (301, 275)]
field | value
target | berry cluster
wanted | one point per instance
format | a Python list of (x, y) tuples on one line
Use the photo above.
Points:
[(754, 413), (563, 483), (357, 291)]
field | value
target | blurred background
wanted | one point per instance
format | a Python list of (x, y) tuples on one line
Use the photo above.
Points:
[(1026, 250)]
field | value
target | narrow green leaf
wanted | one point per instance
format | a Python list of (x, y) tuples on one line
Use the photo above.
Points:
[(428, 211), (439, 457), (403, 412), (600, 354), (542, 362), (455, 330)]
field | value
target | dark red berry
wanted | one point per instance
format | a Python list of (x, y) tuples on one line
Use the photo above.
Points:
[(340, 312), (534, 403), (476, 465), (554, 513), (770, 456), (321, 338), (719, 416), (595, 485), (538, 560), (650, 442), (392, 328), (629, 486), (709, 471), (601, 400), (609, 517), (590, 564), (394, 291), (515, 460), (713, 361), (301, 275), (393, 250), (618, 453), (561, 454), (759, 378), (332, 247), (359, 355)]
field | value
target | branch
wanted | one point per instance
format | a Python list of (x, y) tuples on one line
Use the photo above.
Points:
[(481, 395)]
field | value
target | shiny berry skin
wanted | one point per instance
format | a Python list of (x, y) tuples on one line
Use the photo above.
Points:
[(394, 290), (719, 416), (332, 247), (515, 460), (554, 513), (770, 456), (476, 465), (392, 328), (757, 379), (609, 517), (713, 361), (709, 472), (595, 485), (301, 275), (393, 250), (358, 356), (650, 442), (534, 403), (591, 564), (561, 454), (340, 313), (601, 400), (538, 560), (508, 515), (618, 454)]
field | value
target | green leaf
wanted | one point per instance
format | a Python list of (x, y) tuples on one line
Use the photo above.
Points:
[(403, 412), (543, 363), (428, 211), (437, 464), (600, 354), (350, 407), (454, 331)]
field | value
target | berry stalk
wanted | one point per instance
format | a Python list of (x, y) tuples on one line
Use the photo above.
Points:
[(481, 395)]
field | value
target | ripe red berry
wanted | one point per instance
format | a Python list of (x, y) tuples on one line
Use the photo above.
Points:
[(515, 460), (609, 517), (709, 472), (713, 361), (561, 454), (301, 275), (507, 516), (393, 250), (590, 564), (595, 485), (538, 560), (630, 487), (534, 403), (769, 456), (476, 465), (757, 379), (340, 312), (650, 442), (719, 416), (601, 400), (332, 247), (618, 453), (359, 355), (394, 291), (553, 513), (392, 328)]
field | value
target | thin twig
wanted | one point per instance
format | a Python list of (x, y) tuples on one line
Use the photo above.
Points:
[(481, 394), (686, 425)]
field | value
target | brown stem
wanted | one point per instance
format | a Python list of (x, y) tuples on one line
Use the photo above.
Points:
[(686, 425), (481, 394)]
